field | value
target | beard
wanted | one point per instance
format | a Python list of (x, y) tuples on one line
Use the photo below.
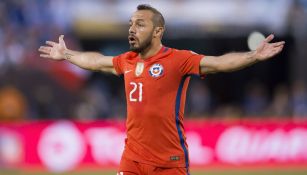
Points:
[(142, 45)]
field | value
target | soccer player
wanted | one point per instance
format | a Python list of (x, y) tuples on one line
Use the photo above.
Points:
[(156, 79)]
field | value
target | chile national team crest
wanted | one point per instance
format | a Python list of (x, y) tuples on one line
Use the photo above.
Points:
[(156, 70)]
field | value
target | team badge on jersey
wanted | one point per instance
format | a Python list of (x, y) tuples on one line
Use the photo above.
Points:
[(139, 68), (156, 70)]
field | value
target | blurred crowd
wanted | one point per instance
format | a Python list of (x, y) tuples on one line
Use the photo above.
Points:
[(256, 101), (35, 88)]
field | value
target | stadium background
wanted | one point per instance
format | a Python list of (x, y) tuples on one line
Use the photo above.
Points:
[(34, 91)]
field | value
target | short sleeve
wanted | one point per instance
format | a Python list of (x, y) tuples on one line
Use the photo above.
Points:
[(190, 62), (118, 64), (120, 61)]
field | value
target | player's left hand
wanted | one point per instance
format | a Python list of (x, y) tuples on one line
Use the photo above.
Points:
[(266, 50)]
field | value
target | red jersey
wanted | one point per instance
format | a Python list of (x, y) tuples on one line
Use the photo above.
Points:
[(155, 93)]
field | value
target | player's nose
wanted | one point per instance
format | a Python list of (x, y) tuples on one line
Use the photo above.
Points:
[(132, 29)]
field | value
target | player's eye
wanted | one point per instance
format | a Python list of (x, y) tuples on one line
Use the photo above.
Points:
[(140, 24)]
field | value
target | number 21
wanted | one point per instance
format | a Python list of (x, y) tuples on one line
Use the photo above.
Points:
[(136, 87)]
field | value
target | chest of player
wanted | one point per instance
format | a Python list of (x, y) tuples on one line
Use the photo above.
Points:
[(148, 80)]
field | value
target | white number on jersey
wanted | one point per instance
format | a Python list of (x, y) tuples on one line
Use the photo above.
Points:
[(136, 87)]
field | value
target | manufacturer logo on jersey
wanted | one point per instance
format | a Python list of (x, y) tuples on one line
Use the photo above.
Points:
[(156, 70), (175, 158), (139, 68)]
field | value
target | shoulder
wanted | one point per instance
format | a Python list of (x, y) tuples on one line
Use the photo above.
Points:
[(127, 55), (183, 53)]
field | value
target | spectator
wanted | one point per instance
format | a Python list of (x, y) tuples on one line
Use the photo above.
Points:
[(255, 99), (13, 105), (280, 105), (299, 99), (200, 100)]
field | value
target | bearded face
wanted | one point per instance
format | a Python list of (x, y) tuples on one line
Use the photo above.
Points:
[(137, 44), (140, 31)]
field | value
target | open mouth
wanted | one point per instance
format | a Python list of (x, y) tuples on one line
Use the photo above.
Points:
[(132, 39)]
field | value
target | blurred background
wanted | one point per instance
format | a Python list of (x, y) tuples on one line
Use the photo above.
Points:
[(34, 89), (42, 89)]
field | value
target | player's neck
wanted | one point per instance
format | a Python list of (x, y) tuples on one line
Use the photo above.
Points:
[(150, 51)]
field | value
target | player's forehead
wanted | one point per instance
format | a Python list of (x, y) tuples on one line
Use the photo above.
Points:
[(141, 15)]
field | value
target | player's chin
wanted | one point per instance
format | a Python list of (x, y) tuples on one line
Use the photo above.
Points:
[(134, 48)]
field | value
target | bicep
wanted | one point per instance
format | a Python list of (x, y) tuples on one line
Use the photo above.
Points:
[(106, 64), (209, 64)]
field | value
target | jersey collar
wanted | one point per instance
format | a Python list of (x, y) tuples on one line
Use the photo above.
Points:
[(162, 52)]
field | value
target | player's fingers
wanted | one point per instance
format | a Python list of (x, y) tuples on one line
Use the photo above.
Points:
[(44, 52), (51, 43), (277, 50), (45, 55), (61, 39), (269, 38), (280, 48), (278, 44), (44, 49)]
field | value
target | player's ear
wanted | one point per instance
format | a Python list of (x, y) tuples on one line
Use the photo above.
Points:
[(158, 32)]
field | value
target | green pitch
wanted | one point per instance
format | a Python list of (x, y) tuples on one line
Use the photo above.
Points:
[(205, 172)]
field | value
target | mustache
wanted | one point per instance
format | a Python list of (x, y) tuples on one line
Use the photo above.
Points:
[(132, 36)]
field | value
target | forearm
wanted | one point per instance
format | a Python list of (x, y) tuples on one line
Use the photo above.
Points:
[(88, 60), (235, 61), (228, 62)]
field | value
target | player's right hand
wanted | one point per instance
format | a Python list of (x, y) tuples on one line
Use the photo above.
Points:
[(53, 50)]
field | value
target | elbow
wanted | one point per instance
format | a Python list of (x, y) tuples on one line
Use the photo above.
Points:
[(227, 67)]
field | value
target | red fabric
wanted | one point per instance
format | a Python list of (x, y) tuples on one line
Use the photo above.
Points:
[(130, 167), (152, 134)]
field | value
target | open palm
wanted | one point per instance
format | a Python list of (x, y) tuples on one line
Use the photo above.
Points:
[(53, 50), (267, 50)]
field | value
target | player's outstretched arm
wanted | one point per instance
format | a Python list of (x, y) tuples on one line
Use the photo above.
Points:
[(235, 61), (87, 60)]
